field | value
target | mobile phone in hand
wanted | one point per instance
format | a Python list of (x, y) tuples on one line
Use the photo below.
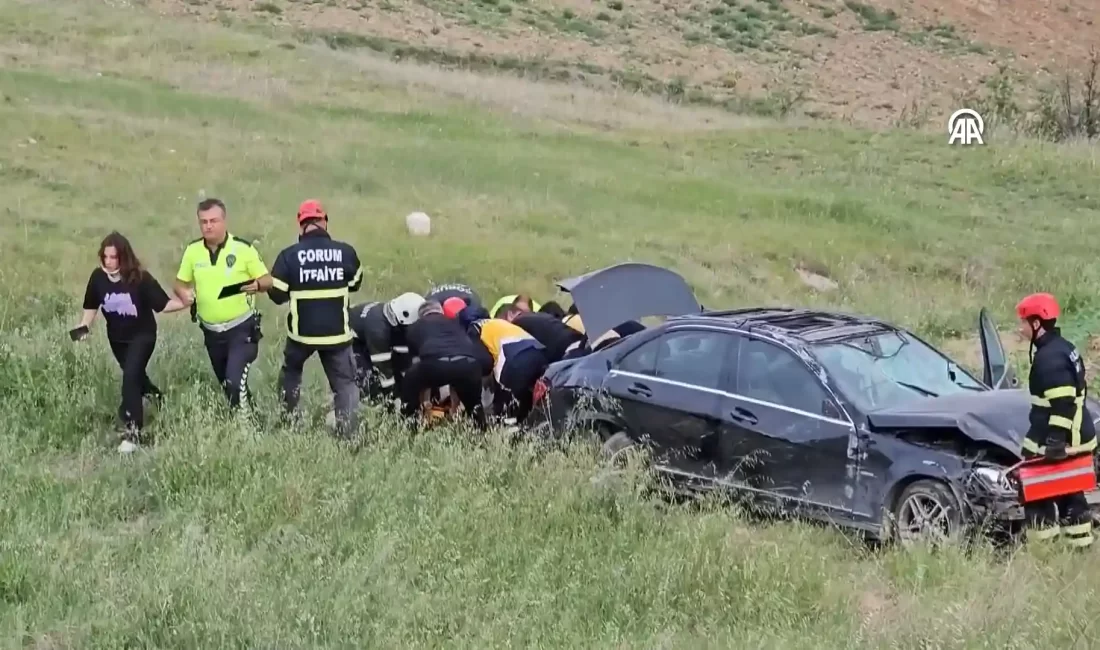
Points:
[(79, 333)]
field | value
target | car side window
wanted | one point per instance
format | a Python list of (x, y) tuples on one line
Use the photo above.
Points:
[(643, 359), (772, 374), (688, 357)]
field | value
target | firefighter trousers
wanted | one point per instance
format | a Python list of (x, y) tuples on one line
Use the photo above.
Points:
[(339, 366), (1067, 515)]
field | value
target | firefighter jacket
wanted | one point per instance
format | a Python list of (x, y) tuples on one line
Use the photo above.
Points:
[(503, 340), (1058, 414), (316, 276), (380, 339)]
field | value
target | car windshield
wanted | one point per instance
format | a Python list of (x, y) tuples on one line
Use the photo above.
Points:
[(889, 369)]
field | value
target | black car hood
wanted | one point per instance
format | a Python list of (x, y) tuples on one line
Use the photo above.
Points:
[(614, 295), (999, 417)]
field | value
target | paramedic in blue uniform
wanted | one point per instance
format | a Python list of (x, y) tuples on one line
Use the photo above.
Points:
[(316, 276)]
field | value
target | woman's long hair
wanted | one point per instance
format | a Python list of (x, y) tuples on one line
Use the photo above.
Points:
[(129, 266)]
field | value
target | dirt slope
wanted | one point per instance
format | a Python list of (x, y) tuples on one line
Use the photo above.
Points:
[(868, 61)]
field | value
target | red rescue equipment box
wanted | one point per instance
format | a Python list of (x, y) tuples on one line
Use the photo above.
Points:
[(1040, 478)]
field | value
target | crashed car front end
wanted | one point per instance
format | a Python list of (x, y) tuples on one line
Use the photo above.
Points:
[(988, 428), (991, 493)]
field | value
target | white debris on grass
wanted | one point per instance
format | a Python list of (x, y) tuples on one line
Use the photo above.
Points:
[(418, 224)]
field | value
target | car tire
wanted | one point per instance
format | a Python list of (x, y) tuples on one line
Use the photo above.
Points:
[(926, 511), (616, 445)]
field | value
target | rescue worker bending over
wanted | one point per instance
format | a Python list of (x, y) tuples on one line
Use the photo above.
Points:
[(442, 292), (573, 318), (554, 309), (554, 335), (522, 301), (453, 306), (518, 360), (1061, 426), (445, 357), (381, 353), (315, 275)]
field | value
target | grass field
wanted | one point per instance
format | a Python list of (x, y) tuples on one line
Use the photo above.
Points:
[(224, 536)]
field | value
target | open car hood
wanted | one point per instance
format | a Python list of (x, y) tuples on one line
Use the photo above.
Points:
[(614, 295), (999, 417)]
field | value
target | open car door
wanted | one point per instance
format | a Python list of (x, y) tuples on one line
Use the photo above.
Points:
[(996, 373), (614, 295)]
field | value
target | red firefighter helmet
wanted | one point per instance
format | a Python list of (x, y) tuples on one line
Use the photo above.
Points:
[(1038, 305)]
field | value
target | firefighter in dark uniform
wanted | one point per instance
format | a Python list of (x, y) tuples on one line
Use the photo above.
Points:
[(381, 352), (230, 325), (316, 276), (1060, 425)]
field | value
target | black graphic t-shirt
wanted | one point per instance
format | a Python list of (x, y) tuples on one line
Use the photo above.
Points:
[(128, 309)]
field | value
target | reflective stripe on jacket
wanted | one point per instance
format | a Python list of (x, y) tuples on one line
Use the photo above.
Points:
[(316, 276), (1058, 388)]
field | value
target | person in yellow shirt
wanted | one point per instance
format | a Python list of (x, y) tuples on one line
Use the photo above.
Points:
[(230, 325), (518, 360)]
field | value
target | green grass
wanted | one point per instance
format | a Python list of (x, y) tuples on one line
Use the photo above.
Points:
[(874, 20), (224, 536)]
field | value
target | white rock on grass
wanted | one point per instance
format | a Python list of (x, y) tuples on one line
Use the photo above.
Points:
[(816, 281), (418, 224)]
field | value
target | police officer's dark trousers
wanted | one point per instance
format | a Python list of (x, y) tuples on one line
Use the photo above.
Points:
[(338, 362), (232, 352)]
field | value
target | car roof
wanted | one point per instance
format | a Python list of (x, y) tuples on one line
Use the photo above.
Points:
[(791, 323)]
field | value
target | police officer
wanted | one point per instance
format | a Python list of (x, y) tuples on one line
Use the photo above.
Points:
[(441, 292), (315, 276), (381, 352), (521, 300), (1060, 424), (230, 326)]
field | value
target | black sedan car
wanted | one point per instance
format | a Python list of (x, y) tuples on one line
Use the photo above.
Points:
[(832, 416)]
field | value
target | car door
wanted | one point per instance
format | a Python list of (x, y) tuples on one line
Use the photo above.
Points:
[(996, 372), (782, 431), (667, 390)]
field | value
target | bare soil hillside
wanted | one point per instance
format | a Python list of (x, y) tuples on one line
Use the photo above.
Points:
[(873, 62)]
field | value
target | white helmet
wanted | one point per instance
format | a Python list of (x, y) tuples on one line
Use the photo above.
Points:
[(402, 309)]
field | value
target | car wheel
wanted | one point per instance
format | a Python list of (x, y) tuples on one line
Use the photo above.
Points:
[(927, 512), (616, 446)]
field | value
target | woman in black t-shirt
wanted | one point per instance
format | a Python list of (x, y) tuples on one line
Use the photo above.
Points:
[(129, 297)]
